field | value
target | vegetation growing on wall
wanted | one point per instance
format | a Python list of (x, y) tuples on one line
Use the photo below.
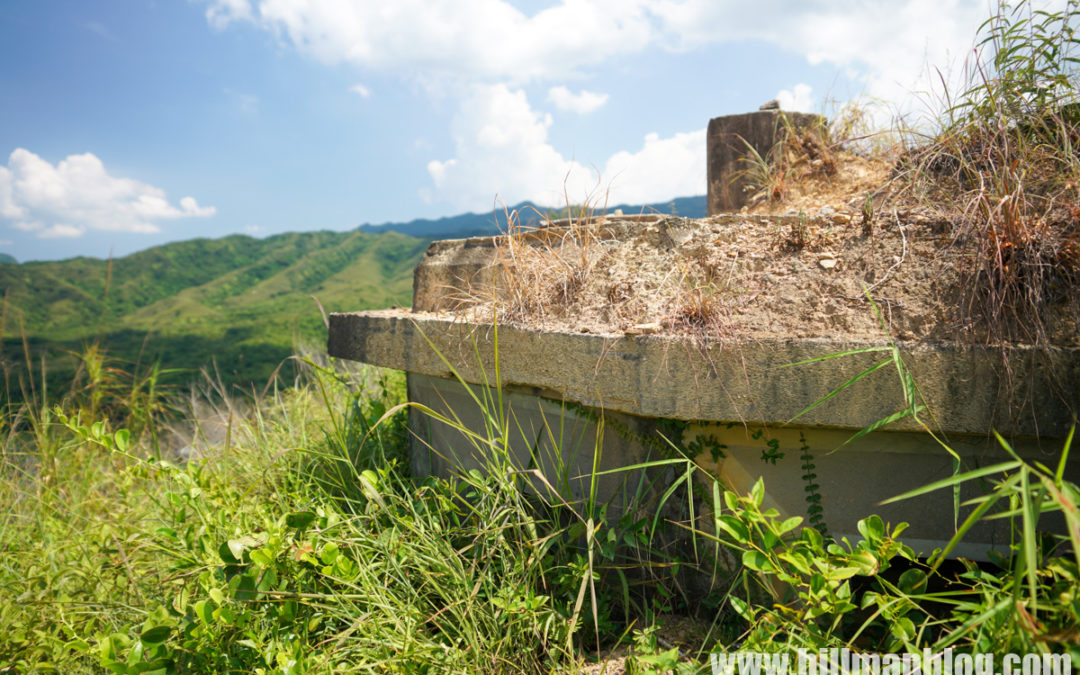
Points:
[(1003, 167), (998, 165)]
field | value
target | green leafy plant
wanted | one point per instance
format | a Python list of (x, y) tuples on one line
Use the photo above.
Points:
[(814, 508), (1032, 599), (802, 595), (647, 657)]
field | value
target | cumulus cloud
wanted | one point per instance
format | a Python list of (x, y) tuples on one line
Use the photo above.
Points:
[(360, 90), (78, 194), (222, 12), (582, 102), (884, 44), (502, 148), (799, 99), (483, 51), (61, 231), (663, 168), (470, 38)]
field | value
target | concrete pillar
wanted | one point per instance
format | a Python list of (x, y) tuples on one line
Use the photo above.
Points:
[(725, 147)]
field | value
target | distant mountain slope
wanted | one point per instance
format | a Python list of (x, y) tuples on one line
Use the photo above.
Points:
[(238, 301), (480, 224), (214, 277)]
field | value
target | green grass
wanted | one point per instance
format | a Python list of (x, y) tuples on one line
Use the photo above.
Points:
[(1000, 164), (269, 551), (289, 537), (293, 540)]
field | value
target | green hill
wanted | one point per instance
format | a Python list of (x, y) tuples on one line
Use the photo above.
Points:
[(237, 301)]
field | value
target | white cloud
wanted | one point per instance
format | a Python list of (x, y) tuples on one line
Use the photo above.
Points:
[(78, 194), (360, 90), (483, 51), (245, 103), (502, 150), (885, 44), (58, 231), (467, 38), (62, 231), (662, 169), (582, 103), (191, 209), (221, 12), (799, 99)]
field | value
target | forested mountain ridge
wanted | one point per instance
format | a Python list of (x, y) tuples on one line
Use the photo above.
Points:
[(237, 300), (232, 274)]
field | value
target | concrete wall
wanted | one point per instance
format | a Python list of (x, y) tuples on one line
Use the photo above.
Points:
[(855, 478), (966, 387), (585, 464), (562, 442)]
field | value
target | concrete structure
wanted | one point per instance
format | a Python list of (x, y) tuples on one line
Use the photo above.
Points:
[(726, 147), (740, 394), (728, 401)]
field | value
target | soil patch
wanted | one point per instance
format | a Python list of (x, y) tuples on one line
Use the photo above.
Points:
[(685, 633), (800, 268)]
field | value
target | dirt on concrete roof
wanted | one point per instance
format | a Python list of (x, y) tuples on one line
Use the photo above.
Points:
[(799, 267)]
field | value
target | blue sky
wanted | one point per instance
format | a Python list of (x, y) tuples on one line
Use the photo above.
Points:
[(129, 123)]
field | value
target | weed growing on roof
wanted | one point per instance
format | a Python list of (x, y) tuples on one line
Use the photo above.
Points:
[(800, 151), (998, 165), (538, 272), (1003, 169)]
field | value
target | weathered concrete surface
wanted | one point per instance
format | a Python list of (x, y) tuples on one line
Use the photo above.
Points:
[(457, 270), (739, 395), (578, 459), (450, 270), (546, 435), (735, 395), (726, 145), (752, 381), (854, 479)]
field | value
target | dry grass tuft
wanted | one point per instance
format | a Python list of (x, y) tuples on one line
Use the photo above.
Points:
[(803, 233), (1003, 170), (539, 272), (701, 311), (800, 152)]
